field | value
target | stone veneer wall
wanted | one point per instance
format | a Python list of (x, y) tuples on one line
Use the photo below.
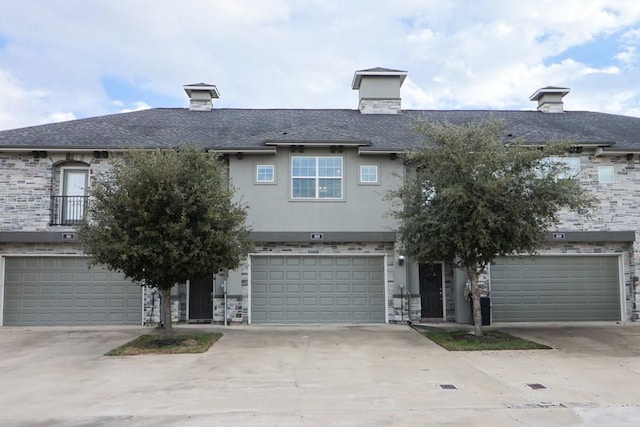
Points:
[(380, 106), (235, 309), (39, 249), (27, 184), (152, 303)]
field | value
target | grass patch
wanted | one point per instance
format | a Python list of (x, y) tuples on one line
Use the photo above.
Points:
[(196, 342), (491, 340)]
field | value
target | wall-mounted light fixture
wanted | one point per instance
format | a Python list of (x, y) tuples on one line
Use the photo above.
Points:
[(240, 155), (400, 259), (575, 149)]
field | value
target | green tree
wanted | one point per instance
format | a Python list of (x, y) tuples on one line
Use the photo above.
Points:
[(470, 197), (164, 216)]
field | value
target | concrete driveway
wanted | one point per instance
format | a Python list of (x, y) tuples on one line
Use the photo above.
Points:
[(321, 376)]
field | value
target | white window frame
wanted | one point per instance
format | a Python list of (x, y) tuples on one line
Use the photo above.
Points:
[(573, 163), (611, 172), (360, 174), (317, 177), (69, 211), (265, 181)]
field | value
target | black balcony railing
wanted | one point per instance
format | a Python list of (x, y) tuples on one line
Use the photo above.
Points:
[(68, 210)]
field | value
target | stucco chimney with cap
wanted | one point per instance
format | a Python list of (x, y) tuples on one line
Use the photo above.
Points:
[(379, 90), (550, 99), (201, 96)]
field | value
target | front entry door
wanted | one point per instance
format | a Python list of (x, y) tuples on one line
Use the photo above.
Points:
[(201, 298), (430, 276)]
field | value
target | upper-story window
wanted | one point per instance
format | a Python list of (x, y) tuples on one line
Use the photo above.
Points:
[(68, 206), (369, 174), (314, 177), (265, 174), (606, 174), (572, 166)]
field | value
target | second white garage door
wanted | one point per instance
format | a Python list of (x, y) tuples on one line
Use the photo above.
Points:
[(317, 289), (555, 288)]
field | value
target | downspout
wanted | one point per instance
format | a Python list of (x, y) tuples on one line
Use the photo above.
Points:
[(224, 288)]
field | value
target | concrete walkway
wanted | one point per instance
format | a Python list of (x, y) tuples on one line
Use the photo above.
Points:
[(321, 376)]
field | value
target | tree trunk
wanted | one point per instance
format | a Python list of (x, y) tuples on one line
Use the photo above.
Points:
[(472, 272), (166, 314)]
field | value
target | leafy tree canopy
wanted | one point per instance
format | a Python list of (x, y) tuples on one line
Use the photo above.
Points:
[(471, 197), (162, 217)]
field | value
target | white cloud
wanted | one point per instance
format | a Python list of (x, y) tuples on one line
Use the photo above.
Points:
[(138, 106), (302, 53), (21, 106), (57, 117)]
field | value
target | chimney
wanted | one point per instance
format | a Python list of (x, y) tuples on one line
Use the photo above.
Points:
[(550, 99), (201, 96), (379, 90)]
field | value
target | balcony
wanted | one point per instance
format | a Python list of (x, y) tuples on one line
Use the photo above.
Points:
[(68, 210)]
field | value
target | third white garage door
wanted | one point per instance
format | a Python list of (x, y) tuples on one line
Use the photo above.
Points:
[(555, 288), (317, 289)]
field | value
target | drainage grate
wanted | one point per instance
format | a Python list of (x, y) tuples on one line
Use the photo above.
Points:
[(448, 387), (536, 386)]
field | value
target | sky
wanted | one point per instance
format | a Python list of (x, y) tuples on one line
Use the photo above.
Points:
[(70, 59)]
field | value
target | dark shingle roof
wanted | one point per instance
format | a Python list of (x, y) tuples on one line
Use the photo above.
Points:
[(250, 129)]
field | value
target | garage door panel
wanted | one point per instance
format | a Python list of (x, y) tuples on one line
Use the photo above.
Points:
[(328, 289), (343, 288), (555, 288), (293, 300), (294, 288), (293, 275), (310, 288), (276, 275), (65, 291), (361, 288), (326, 301), (322, 261), (343, 275)]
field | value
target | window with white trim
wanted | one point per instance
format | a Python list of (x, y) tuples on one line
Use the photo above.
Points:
[(572, 166), (69, 200), (316, 178), (606, 174), (265, 174), (369, 174)]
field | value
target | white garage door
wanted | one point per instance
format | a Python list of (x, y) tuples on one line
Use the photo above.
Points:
[(317, 289), (555, 288), (65, 291)]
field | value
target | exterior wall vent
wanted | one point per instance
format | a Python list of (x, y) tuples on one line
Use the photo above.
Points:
[(550, 99), (201, 96), (379, 90)]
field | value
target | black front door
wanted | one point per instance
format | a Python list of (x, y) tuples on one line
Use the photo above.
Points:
[(201, 298), (431, 290)]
